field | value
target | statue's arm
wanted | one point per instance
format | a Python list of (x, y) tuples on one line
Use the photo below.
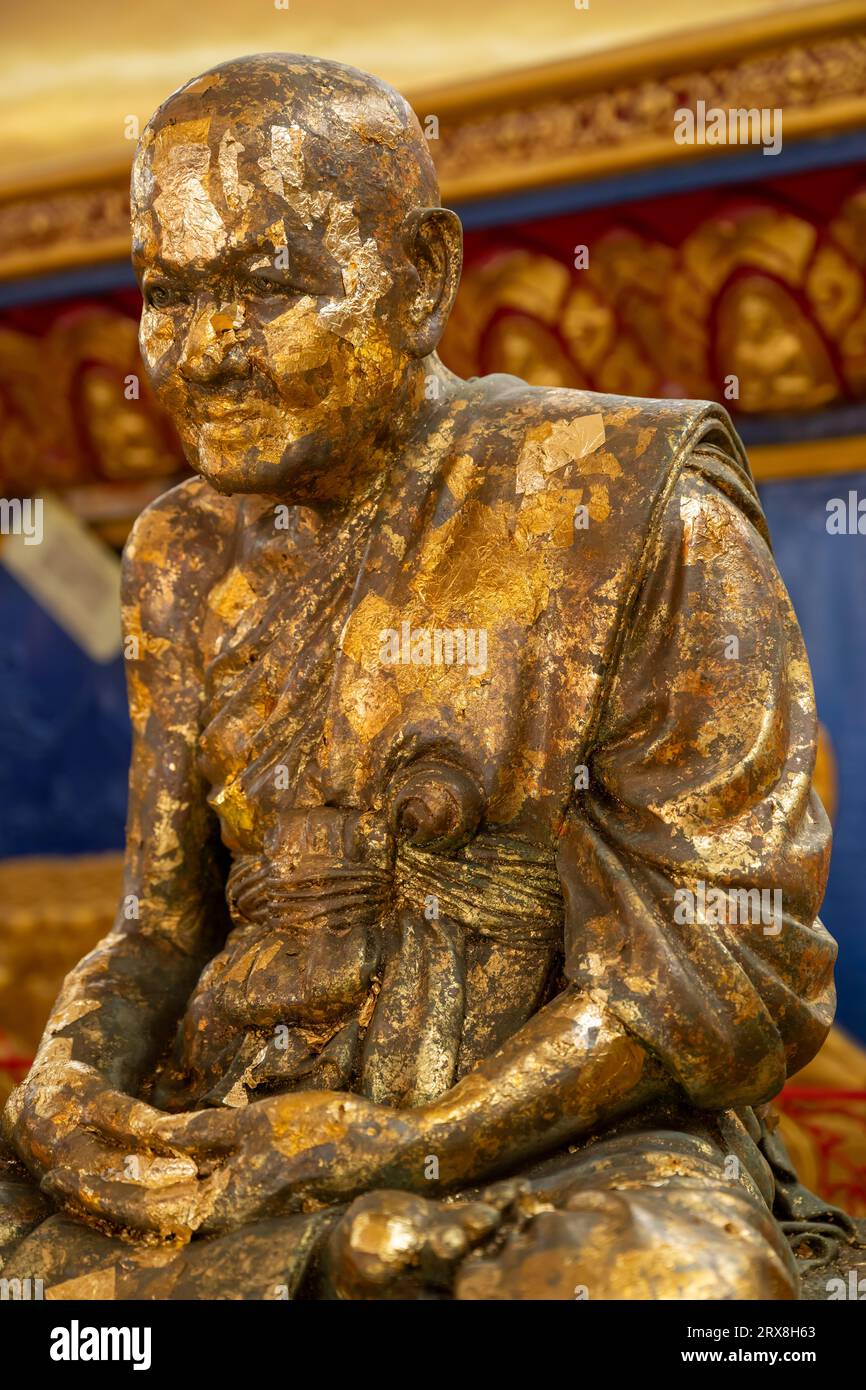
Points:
[(568, 1071), (118, 1008)]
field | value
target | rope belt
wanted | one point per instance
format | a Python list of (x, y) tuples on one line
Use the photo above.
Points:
[(496, 886)]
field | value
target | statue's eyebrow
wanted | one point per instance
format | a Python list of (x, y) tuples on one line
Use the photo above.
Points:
[(245, 256), (149, 267), (307, 256), (153, 268)]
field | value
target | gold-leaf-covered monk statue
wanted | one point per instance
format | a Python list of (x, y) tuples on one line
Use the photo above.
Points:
[(472, 859)]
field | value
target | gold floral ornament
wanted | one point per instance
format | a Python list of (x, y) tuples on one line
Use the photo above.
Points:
[(758, 296), (77, 407)]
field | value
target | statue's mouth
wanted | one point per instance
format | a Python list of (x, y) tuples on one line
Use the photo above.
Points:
[(231, 410)]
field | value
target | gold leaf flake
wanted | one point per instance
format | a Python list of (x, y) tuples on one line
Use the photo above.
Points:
[(237, 194), (191, 226), (552, 444)]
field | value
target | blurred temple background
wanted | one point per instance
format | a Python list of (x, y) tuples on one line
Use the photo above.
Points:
[(713, 271)]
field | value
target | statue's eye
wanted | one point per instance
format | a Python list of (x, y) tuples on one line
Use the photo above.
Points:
[(162, 296), (272, 284)]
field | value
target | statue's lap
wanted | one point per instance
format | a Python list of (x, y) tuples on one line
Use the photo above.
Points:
[(645, 1213)]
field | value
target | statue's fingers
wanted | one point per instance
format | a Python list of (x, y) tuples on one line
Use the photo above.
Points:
[(148, 1192), (38, 1135), (212, 1131), (170, 1211), (90, 1153), (126, 1121), (123, 1119)]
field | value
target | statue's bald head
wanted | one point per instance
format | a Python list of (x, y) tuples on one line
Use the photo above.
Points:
[(286, 225), (284, 123)]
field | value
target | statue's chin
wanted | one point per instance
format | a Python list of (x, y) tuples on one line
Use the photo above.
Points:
[(228, 478), (231, 470)]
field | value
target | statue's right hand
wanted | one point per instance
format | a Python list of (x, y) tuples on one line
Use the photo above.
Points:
[(48, 1106), (103, 1156)]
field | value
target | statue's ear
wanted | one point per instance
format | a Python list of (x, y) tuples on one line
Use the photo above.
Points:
[(433, 242)]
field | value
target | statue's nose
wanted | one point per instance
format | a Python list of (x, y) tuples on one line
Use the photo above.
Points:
[(212, 349)]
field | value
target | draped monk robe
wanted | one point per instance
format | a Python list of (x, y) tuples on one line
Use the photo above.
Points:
[(535, 814), (417, 857)]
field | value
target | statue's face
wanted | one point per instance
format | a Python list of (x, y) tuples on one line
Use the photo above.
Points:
[(272, 320)]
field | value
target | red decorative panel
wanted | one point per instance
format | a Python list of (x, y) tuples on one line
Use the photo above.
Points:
[(765, 283), (69, 413)]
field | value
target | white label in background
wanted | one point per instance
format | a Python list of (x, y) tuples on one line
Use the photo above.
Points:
[(73, 575)]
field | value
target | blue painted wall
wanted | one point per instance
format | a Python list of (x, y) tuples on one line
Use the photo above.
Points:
[(64, 737), (826, 578)]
